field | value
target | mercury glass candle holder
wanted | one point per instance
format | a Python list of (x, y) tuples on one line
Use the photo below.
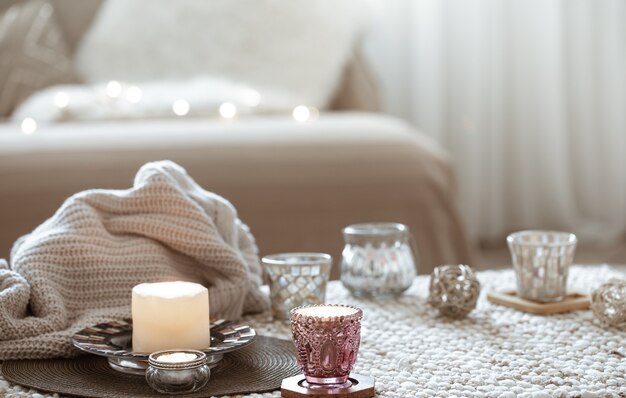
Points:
[(541, 261), (327, 339), (177, 371), (296, 279), (378, 259)]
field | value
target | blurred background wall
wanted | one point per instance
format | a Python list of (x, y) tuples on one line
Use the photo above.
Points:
[(529, 96)]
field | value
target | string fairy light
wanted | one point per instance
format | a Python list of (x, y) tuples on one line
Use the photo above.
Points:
[(181, 107), (302, 113), (228, 110), (28, 125), (116, 92), (113, 89), (61, 100), (133, 94)]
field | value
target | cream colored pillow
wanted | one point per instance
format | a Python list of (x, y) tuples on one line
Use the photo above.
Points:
[(294, 47), (33, 53)]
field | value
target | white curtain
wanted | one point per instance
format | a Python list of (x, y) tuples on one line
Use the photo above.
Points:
[(529, 96)]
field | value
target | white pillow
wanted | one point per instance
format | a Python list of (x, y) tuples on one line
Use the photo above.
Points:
[(297, 47)]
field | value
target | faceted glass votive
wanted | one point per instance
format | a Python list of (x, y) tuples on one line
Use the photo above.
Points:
[(378, 259), (327, 339), (541, 261), (296, 279)]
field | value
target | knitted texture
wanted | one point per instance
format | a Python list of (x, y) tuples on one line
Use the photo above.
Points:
[(78, 268), (496, 351)]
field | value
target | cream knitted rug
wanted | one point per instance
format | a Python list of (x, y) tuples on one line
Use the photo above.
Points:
[(496, 352), (78, 267)]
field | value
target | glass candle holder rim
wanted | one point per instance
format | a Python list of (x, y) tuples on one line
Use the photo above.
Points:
[(304, 258), (516, 238), (198, 361), (297, 316), (376, 229), (465, 267)]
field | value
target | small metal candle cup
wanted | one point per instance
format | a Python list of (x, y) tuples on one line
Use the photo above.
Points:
[(296, 279), (541, 260), (327, 339), (177, 371)]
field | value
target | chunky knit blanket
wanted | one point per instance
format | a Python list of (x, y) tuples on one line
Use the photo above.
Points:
[(78, 268)]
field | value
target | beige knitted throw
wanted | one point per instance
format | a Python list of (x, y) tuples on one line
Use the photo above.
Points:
[(78, 267)]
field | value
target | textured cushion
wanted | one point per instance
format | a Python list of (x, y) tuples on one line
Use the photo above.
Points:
[(33, 53), (296, 48)]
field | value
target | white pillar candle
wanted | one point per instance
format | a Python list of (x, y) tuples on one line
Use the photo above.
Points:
[(170, 315)]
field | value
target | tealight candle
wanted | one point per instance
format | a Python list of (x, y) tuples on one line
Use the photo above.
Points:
[(169, 315), (177, 357), (327, 339)]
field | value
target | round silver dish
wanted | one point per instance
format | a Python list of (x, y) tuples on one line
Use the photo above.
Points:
[(114, 341)]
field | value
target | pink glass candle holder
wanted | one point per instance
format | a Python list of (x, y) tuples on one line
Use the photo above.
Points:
[(327, 338)]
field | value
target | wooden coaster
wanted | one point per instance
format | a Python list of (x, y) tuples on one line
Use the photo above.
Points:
[(573, 301), (296, 387)]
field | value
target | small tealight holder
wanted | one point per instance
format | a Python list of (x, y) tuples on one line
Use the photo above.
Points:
[(327, 339), (296, 279), (177, 371), (541, 261)]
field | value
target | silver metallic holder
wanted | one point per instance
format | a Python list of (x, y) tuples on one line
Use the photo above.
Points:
[(180, 376), (378, 259)]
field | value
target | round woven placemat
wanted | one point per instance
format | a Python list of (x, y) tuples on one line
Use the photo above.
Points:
[(260, 367)]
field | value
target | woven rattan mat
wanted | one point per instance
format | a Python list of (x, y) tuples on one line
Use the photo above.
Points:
[(259, 367)]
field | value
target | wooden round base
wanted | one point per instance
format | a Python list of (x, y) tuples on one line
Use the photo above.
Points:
[(574, 301), (296, 387)]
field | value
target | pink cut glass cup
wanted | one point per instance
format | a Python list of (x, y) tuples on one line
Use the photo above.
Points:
[(327, 339)]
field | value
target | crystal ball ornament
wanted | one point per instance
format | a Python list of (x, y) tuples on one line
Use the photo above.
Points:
[(608, 303), (453, 290)]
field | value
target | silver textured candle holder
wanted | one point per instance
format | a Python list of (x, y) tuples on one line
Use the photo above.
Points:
[(296, 279), (378, 259), (541, 260), (177, 371)]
